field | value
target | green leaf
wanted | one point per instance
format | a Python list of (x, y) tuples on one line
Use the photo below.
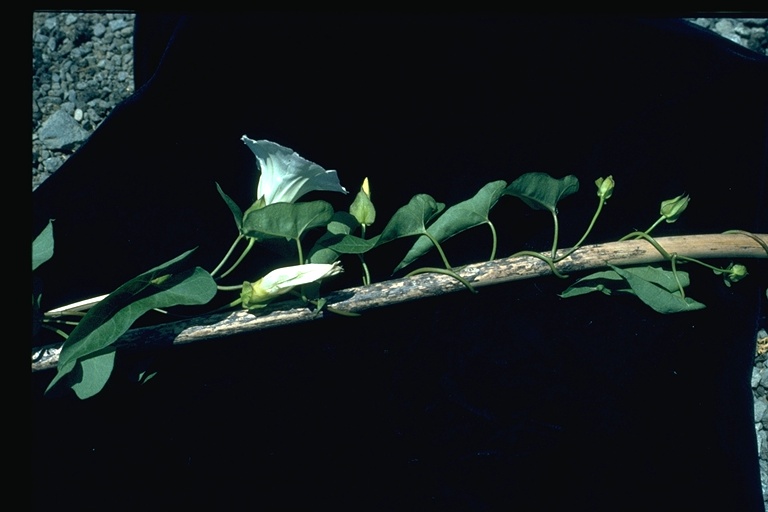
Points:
[(607, 282), (457, 218), (349, 244), (42, 246), (342, 223), (654, 287), (169, 284), (94, 371), (541, 191), (320, 253), (339, 240), (412, 219), (286, 220), (237, 213), (660, 277)]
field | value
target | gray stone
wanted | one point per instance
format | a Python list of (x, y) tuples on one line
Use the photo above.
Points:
[(760, 406), (118, 24), (764, 379), (761, 439), (52, 163), (61, 132), (99, 29)]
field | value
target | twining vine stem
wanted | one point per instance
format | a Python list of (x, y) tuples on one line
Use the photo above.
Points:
[(356, 300)]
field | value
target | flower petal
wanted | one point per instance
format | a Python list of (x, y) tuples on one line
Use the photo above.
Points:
[(286, 176), (283, 279)]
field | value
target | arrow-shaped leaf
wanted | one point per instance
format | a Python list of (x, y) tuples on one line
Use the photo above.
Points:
[(606, 281), (411, 219), (164, 286), (286, 220), (541, 191), (94, 374), (457, 218), (237, 213), (654, 287)]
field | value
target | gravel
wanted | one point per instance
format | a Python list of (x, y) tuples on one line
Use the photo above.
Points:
[(82, 66)]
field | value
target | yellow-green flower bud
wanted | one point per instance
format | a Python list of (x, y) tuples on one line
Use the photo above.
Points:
[(605, 187), (737, 273), (283, 280), (671, 209), (362, 208)]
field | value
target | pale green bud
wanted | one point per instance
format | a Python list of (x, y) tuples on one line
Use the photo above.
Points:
[(362, 208), (605, 187), (671, 209), (737, 273)]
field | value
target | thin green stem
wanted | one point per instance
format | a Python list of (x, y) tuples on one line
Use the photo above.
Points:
[(638, 234), (230, 288), (757, 239), (439, 249), (300, 251), (493, 234), (586, 233), (653, 226), (675, 257), (227, 306), (673, 261), (366, 272), (247, 249), (445, 271), (57, 331), (651, 240), (226, 256), (71, 323), (543, 258), (556, 234), (703, 264)]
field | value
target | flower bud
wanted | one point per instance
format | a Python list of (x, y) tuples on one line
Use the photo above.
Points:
[(605, 187), (671, 209), (362, 208), (736, 273), (283, 280)]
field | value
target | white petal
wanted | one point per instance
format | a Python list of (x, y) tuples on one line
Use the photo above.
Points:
[(282, 280), (286, 175)]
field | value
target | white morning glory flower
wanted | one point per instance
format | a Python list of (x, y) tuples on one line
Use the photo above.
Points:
[(286, 176), (283, 280)]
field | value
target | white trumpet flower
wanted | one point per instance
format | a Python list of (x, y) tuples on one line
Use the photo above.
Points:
[(283, 280), (286, 176)]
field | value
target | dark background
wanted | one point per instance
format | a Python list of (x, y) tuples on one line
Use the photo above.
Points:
[(510, 398)]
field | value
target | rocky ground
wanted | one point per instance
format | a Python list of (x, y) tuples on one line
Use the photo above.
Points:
[(82, 66)]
